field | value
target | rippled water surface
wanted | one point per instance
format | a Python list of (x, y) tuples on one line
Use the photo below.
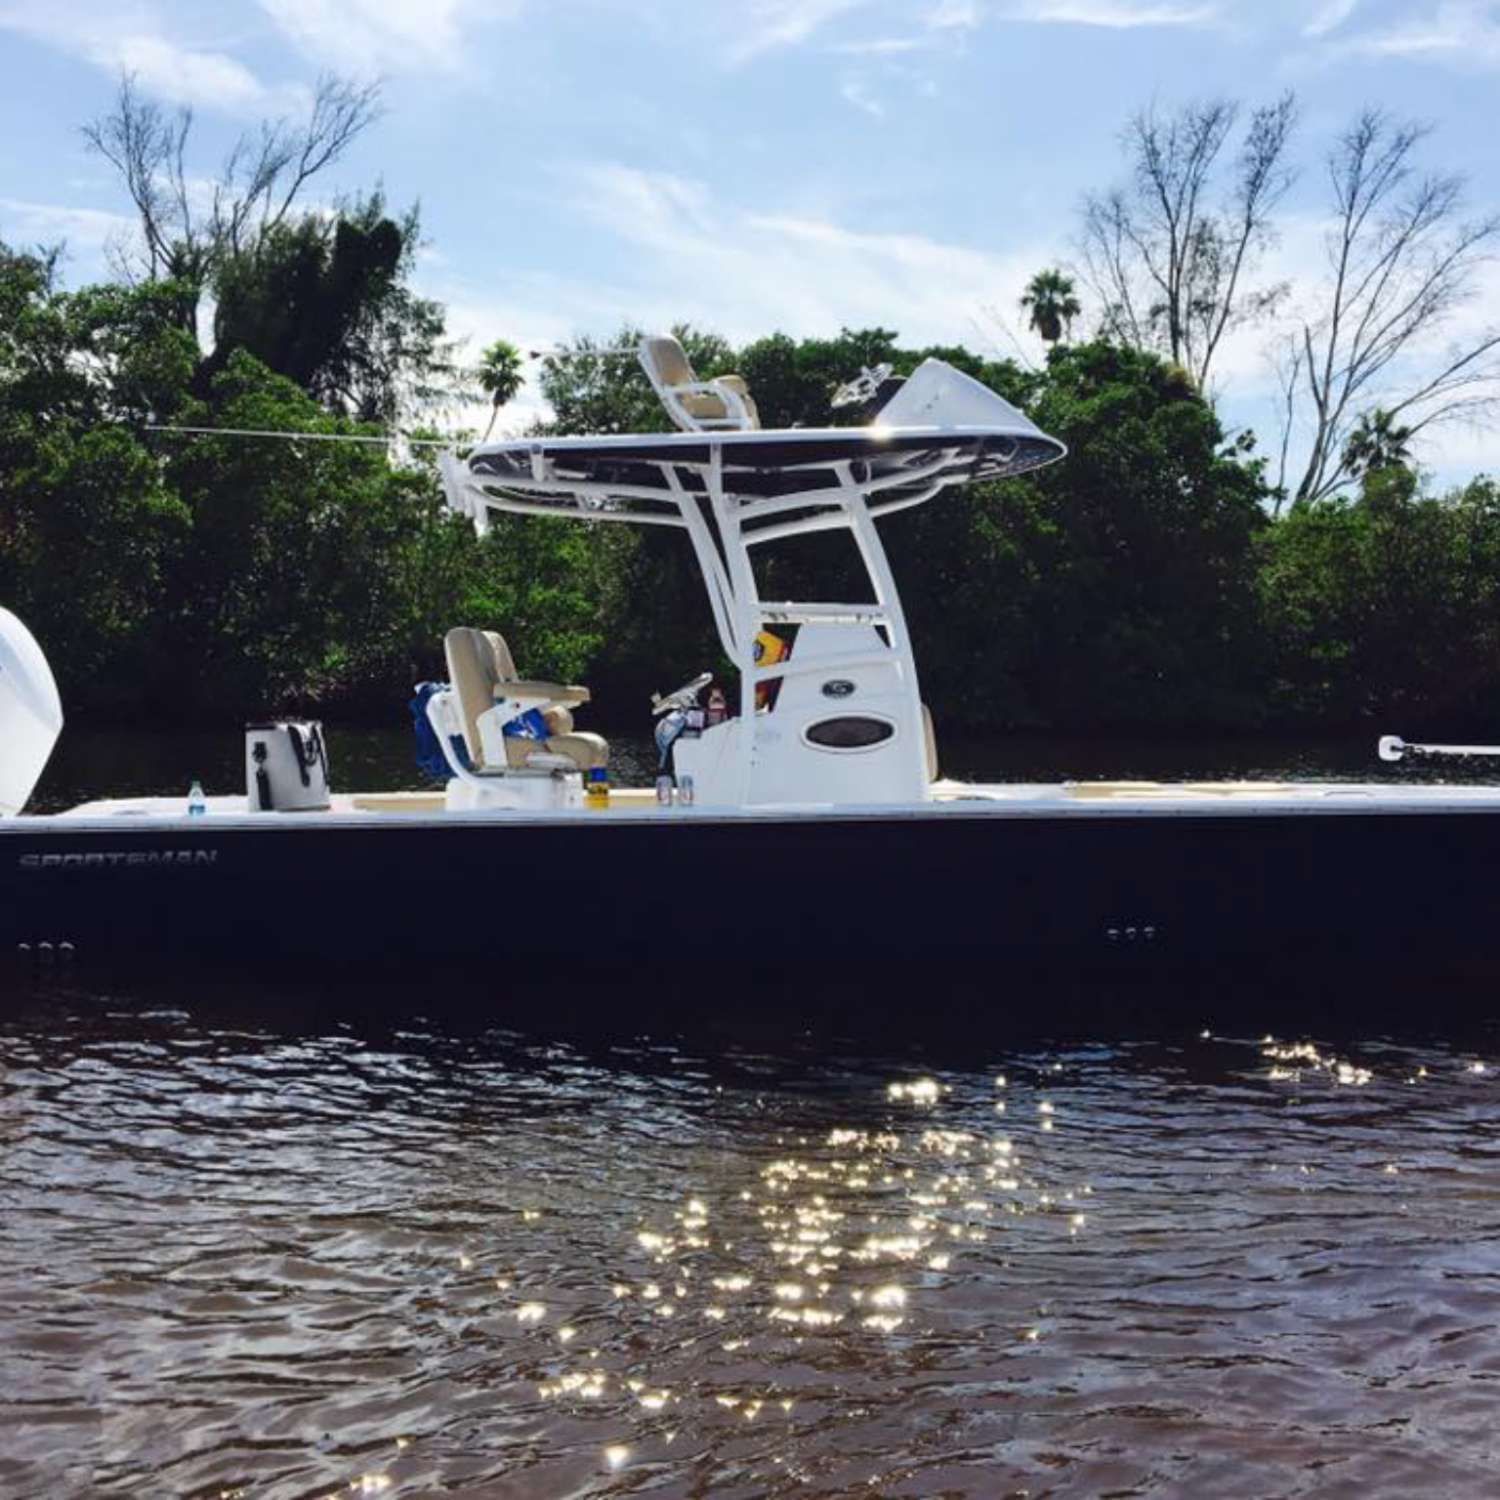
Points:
[(248, 1256)]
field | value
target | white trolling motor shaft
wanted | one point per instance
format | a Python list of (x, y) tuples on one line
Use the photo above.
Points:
[(1394, 748)]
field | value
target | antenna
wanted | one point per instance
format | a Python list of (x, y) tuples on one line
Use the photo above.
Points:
[(311, 437), (559, 353)]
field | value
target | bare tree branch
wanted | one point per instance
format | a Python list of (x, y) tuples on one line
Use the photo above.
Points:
[(262, 179), (1401, 265), (1167, 264), (1288, 377)]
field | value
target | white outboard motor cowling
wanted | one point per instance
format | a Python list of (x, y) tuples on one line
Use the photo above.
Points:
[(31, 715), (286, 767)]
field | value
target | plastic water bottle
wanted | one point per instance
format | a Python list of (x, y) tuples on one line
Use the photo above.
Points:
[(685, 791), (664, 791), (197, 802)]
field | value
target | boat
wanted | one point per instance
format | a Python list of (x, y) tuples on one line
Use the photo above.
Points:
[(802, 828)]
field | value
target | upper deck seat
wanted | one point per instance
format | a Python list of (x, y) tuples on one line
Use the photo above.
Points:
[(723, 404), (483, 673)]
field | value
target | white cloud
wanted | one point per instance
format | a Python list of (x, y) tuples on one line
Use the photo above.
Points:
[(696, 258), (86, 234), (857, 93), (953, 15), (765, 25), (784, 23), (1113, 14), (942, 25), (134, 40), (374, 36), (210, 79), (1463, 32), (23, 223), (687, 256), (885, 46), (1329, 17)]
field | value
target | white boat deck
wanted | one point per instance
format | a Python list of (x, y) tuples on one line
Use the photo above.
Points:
[(950, 798)]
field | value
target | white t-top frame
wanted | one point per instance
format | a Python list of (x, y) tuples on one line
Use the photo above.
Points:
[(732, 492)]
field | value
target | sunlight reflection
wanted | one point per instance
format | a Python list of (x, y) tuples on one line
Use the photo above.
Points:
[(1299, 1055), (919, 1091)]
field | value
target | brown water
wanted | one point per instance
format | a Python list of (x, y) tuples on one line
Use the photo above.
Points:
[(247, 1256)]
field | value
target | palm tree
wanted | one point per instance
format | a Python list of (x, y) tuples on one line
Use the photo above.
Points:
[(1377, 443), (500, 377), (1051, 299)]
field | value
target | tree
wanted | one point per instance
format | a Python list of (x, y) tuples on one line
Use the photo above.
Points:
[(89, 529), (1378, 442), (327, 302), (1403, 262), (1050, 298), (1168, 265), (325, 299), (500, 377), (601, 387), (1385, 611), (1143, 542), (186, 233)]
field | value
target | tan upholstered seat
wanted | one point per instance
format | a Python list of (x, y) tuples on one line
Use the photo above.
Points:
[(723, 403), (480, 667)]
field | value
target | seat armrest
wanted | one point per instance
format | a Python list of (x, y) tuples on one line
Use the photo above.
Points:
[(732, 395), (540, 694)]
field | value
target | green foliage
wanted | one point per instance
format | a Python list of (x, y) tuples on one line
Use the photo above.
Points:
[(1139, 583), (1052, 302), (327, 302), (1378, 442), (192, 574), (88, 530), (1388, 609), (500, 375), (1114, 588), (601, 387)]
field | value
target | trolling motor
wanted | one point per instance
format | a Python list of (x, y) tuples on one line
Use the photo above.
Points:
[(31, 716)]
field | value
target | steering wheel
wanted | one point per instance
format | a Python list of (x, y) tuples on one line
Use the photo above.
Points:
[(685, 696), (864, 387)]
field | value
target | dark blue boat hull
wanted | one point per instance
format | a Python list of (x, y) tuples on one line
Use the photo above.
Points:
[(1393, 894)]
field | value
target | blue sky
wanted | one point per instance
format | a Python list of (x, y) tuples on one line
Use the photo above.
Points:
[(758, 164)]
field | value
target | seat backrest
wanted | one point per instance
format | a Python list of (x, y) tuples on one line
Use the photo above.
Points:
[(666, 360), (505, 663), (671, 375), (478, 661)]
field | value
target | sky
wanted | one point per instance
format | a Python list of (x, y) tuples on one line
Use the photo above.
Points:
[(755, 165)]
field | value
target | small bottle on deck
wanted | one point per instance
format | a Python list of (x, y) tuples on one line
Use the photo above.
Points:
[(197, 804), (596, 787)]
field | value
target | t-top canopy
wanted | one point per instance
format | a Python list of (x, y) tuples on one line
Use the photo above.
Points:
[(940, 426)]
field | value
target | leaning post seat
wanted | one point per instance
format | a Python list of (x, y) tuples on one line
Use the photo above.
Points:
[(723, 404), (483, 674)]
